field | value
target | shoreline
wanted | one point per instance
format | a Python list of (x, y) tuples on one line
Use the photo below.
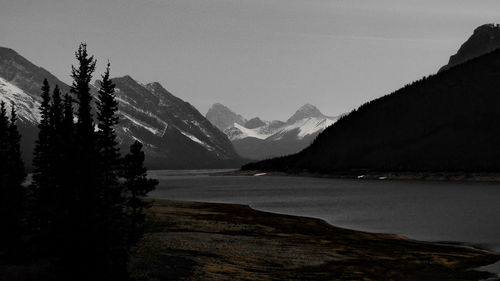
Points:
[(493, 177), (203, 241)]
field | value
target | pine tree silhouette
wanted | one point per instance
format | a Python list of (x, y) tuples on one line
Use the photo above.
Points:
[(85, 217), (114, 220), (106, 115), (82, 75)]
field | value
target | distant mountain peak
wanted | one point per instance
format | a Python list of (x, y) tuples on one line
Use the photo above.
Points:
[(155, 85), (126, 78), (222, 117), (5, 50), (254, 123), (305, 111), (218, 106), (485, 39), (156, 88)]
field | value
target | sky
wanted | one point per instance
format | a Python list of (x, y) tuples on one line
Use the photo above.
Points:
[(261, 58)]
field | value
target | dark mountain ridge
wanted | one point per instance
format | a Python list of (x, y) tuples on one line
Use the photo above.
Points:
[(445, 122), (24, 74), (174, 133), (485, 39)]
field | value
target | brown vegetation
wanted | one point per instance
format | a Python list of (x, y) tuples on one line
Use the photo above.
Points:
[(204, 241)]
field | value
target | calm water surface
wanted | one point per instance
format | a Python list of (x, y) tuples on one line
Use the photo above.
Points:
[(431, 211)]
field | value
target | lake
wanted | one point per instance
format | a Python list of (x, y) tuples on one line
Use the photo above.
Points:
[(424, 210)]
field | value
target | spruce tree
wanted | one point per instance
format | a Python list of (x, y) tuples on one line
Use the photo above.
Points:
[(16, 168), (56, 111), (83, 241), (68, 148), (107, 107), (58, 167), (14, 194), (82, 75), (42, 173), (86, 167), (68, 124), (67, 175), (137, 185), (114, 222), (86, 186), (56, 140)]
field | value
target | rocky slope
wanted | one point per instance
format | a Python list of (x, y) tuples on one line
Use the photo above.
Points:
[(20, 83), (174, 133)]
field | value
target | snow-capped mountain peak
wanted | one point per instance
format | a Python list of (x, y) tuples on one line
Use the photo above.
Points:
[(257, 139)]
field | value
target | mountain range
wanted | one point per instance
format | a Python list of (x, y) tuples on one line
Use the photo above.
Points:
[(444, 122), (174, 133), (258, 139)]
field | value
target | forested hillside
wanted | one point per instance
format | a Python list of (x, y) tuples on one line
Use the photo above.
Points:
[(446, 122)]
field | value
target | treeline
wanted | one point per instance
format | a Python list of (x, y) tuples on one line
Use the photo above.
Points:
[(448, 122), (83, 210)]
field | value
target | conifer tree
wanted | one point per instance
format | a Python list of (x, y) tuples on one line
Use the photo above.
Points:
[(68, 115), (58, 168), (137, 185), (56, 111), (107, 107), (114, 222), (42, 174), (16, 170), (85, 215), (87, 182), (67, 175), (56, 141), (14, 195), (82, 75)]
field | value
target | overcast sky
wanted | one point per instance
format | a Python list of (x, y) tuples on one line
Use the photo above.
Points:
[(259, 57)]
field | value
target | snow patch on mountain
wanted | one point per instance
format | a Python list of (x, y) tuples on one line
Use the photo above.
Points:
[(153, 130), (309, 126), (27, 107), (258, 133), (195, 139), (304, 127)]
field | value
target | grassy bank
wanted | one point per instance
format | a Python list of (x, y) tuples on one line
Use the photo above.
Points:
[(204, 241)]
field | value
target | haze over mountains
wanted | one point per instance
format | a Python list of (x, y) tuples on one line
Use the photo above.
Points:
[(444, 122), (174, 133), (258, 139)]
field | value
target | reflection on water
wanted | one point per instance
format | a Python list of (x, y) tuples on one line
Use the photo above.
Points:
[(432, 211)]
